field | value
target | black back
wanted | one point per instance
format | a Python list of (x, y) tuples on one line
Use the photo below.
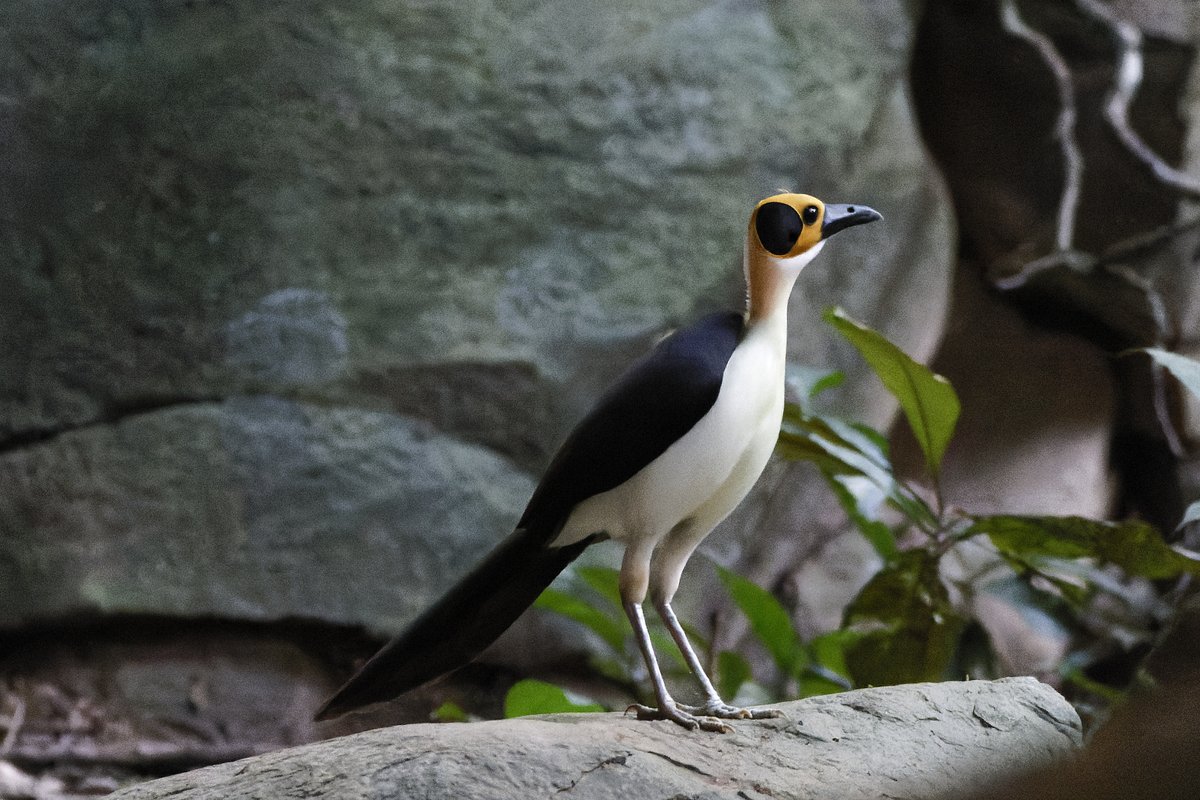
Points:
[(659, 399)]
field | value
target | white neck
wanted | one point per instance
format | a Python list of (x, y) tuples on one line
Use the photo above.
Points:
[(769, 283)]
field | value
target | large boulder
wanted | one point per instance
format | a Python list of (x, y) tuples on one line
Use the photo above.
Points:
[(923, 740), (297, 301), (1062, 271)]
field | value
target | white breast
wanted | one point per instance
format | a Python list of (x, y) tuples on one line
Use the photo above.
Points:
[(708, 471)]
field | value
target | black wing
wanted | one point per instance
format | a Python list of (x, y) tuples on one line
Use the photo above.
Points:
[(658, 400), (655, 403)]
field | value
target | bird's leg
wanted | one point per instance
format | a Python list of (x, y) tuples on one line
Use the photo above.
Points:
[(665, 571), (667, 707), (635, 569), (714, 706)]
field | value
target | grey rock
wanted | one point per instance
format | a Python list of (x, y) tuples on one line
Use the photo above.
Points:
[(923, 740), (138, 698), (257, 508), (292, 337), (434, 230)]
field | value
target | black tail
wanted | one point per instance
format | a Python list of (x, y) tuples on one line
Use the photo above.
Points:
[(461, 624)]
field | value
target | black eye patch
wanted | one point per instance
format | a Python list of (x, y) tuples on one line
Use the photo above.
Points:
[(778, 227)]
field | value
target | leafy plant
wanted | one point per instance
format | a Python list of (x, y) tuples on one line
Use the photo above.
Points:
[(450, 711), (816, 667), (928, 400), (912, 622)]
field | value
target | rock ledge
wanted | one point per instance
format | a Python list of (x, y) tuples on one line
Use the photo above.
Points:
[(922, 740)]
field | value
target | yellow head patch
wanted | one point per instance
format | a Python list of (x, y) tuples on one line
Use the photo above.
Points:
[(786, 225)]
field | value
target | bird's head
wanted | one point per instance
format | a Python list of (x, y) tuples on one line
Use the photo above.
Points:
[(786, 232), (791, 228)]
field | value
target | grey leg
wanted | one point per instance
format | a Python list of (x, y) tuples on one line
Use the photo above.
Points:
[(714, 706), (667, 708)]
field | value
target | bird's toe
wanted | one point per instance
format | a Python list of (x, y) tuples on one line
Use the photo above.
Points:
[(722, 710), (680, 717), (764, 713)]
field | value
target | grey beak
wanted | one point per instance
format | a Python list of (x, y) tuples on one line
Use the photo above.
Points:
[(838, 216)]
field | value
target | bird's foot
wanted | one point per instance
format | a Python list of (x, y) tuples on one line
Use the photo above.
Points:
[(721, 710), (680, 717)]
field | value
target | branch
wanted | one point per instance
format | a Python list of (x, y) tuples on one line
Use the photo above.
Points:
[(1128, 40), (1145, 244), (1133, 248), (1064, 127), (1128, 79), (1158, 375)]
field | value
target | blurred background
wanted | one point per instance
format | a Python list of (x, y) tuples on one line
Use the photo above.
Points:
[(297, 300)]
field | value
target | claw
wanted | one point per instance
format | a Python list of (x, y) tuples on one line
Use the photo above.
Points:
[(680, 717), (716, 708)]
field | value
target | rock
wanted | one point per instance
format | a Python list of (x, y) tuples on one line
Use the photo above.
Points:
[(221, 509), (1054, 420), (922, 740), (288, 294), (976, 82), (1144, 750), (134, 697)]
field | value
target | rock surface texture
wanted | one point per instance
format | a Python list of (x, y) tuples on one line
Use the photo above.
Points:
[(921, 740), (299, 301)]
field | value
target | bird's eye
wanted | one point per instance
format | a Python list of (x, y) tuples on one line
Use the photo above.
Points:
[(810, 215), (778, 226)]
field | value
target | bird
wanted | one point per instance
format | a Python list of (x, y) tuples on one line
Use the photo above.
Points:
[(664, 456)]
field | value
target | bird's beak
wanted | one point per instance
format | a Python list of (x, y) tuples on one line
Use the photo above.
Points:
[(838, 216)]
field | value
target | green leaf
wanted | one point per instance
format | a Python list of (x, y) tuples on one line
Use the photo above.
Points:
[(1185, 370), (768, 619), (1190, 515), (809, 382), (604, 580), (929, 401), (839, 448), (907, 628), (538, 697), (812, 685), (870, 441), (610, 629), (1135, 547), (732, 672), (1076, 676), (876, 532), (449, 711), (801, 448), (827, 671), (817, 681), (833, 446), (831, 381), (829, 650)]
